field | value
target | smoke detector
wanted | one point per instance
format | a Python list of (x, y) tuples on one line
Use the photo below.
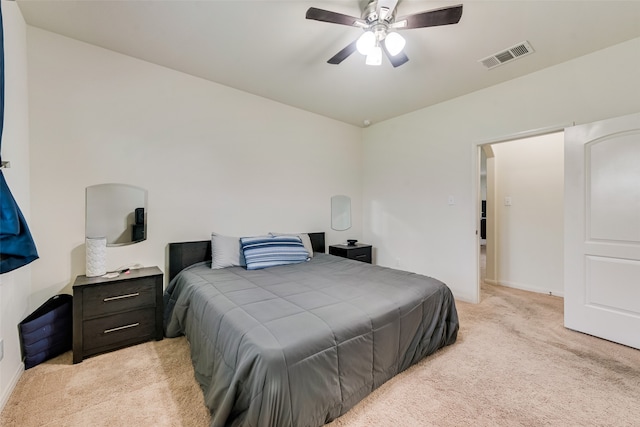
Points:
[(514, 52)]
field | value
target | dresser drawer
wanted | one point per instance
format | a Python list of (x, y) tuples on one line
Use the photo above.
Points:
[(106, 333), (116, 297), (360, 254)]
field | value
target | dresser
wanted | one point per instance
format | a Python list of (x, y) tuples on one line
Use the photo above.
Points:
[(111, 313), (359, 252)]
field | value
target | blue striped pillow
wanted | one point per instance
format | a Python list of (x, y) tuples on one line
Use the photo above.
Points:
[(268, 251)]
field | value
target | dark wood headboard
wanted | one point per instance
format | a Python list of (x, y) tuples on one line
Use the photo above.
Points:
[(184, 254)]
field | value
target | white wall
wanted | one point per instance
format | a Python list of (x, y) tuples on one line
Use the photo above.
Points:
[(15, 285), (529, 233), (490, 246), (212, 158), (414, 162)]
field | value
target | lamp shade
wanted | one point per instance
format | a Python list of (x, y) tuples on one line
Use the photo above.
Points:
[(96, 251), (394, 43), (366, 42), (375, 56)]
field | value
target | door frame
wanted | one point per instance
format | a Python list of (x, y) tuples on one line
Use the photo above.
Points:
[(476, 213)]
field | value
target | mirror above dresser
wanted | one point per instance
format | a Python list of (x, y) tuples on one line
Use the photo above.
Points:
[(117, 212), (340, 213)]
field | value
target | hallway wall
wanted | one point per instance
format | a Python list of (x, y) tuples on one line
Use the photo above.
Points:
[(528, 205)]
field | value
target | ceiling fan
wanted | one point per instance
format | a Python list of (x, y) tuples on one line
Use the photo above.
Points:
[(381, 29)]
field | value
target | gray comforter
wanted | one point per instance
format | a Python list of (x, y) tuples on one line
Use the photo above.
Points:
[(299, 345)]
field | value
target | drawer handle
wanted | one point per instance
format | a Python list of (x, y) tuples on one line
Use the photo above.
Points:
[(119, 328), (121, 297), (361, 256)]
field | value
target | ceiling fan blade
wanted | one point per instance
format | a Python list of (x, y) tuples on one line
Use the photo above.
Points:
[(397, 60), (431, 18), (343, 54), (333, 17)]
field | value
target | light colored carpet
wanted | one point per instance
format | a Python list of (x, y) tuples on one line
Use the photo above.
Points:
[(514, 364)]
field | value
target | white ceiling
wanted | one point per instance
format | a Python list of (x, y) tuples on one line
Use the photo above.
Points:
[(268, 48)]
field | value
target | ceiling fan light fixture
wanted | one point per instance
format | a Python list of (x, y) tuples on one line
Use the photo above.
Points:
[(375, 56), (366, 42), (394, 43)]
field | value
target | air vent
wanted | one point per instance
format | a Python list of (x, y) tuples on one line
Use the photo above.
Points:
[(514, 52)]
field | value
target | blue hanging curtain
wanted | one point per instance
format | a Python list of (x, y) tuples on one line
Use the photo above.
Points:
[(17, 248)]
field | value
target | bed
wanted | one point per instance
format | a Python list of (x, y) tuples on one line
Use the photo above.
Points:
[(300, 344)]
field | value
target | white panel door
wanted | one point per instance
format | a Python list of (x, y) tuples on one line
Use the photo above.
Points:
[(602, 229)]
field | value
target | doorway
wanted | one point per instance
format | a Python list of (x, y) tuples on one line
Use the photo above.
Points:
[(521, 182)]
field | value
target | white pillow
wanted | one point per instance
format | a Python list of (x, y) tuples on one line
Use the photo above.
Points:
[(225, 251), (306, 240)]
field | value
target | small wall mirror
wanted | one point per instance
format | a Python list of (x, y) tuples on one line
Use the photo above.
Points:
[(340, 213), (117, 212)]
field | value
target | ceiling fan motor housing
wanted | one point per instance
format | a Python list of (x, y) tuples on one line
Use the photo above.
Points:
[(376, 11)]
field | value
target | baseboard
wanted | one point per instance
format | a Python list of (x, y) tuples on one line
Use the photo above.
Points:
[(524, 287), (14, 381)]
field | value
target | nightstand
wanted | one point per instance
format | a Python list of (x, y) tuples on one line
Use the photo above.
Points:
[(359, 252), (113, 313)]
